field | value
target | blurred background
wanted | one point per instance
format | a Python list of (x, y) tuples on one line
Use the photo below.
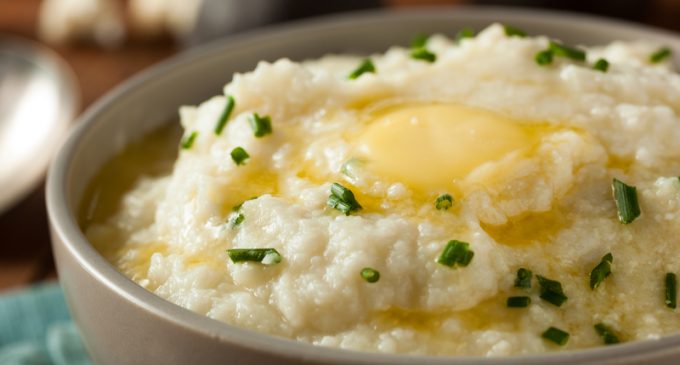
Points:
[(102, 43), (106, 41)]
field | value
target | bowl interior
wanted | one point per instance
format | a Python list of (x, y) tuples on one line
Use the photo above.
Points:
[(153, 97)]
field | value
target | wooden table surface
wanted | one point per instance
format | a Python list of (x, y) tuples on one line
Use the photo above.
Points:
[(25, 254)]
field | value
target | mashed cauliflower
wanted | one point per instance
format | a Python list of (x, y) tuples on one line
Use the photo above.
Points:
[(482, 146)]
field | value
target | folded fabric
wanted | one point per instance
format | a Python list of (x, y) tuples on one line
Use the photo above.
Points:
[(36, 329)]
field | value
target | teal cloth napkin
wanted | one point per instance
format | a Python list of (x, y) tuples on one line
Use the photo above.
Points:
[(36, 329)]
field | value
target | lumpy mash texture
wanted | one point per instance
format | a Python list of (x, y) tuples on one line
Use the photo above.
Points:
[(537, 196)]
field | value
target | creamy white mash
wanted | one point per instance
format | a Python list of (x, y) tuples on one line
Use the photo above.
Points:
[(527, 153)]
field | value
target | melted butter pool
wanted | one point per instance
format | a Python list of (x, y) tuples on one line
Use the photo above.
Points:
[(152, 155), (431, 146)]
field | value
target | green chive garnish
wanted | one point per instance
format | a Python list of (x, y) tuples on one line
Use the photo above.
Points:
[(559, 49), (419, 41), (511, 31), (607, 334), (342, 199), (518, 302), (465, 33), (626, 200), (239, 155), (601, 271), (443, 202), (456, 253), (544, 57), (266, 256), (660, 55), (551, 291), (261, 125), (225, 115), (337, 203), (556, 335), (188, 141), (423, 55), (237, 220), (370, 275), (601, 65), (671, 290), (365, 66), (523, 279)]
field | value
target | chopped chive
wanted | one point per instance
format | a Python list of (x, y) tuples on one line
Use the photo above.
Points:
[(551, 291), (443, 202), (601, 271), (337, 203), (556, 335), (464, 34), (188, 141), (456, 253), (237, 220), (370, 275), (239, 155), (544, 57), (419, 40), (518, 302), (626, 200), (671, 290), (345, 194), (562, 50), (225, 115), (660, 55), (343, 199), (523, 279), (364, 67), (511, 31), (601, 65), (423, 54), (266, 256), (607, 334), (261, 125)]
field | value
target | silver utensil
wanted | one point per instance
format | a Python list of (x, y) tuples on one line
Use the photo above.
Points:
[(38, 100)]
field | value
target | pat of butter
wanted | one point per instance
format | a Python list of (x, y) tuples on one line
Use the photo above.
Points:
[(431, 146)]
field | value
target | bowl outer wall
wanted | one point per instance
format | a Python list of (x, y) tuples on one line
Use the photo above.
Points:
[(122, 323)]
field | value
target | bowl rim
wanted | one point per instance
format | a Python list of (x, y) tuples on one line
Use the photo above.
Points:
[(64, 223)]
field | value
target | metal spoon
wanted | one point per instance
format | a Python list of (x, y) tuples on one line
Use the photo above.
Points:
[(38, 100)]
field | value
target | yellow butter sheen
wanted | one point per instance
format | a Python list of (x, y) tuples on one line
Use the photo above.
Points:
[(431, 146)]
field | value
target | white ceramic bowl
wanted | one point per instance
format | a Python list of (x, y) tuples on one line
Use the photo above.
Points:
[(122, 323)]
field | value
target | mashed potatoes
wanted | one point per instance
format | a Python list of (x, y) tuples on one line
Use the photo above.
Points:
[(454, 169)]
